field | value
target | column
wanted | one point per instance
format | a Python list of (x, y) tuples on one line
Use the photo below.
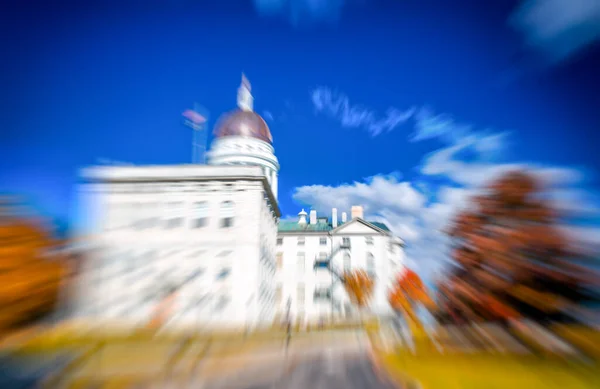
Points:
[(274, 183)]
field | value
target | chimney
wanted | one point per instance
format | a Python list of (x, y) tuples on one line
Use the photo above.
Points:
[(334, 217), (357, 211), (302, 217), (344, 217), (313, 216)]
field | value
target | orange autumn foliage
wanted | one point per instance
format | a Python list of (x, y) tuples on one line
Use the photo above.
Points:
[(29, 277), (359, 286), (511, 259), (407, 291)]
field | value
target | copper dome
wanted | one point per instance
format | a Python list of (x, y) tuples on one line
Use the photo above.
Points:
[(243, 123)]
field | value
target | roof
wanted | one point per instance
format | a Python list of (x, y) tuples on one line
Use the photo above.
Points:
[(293, 226), (243, 123), (383, 226)]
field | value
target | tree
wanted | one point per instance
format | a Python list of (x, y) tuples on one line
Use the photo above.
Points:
[(31, 272), (359, 286), (511, 260), (407, 292)]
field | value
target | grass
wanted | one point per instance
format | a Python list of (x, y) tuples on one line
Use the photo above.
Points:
[(488, 371), (479, 369)]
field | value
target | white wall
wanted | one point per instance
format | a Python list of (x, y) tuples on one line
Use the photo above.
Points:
[(387, 264), (121, 270)]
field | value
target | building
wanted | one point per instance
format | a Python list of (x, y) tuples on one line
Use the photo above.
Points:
[(205, 233), (206, 237), (312, 291)]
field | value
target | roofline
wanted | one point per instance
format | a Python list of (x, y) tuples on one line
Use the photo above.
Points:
[(145, 173), (360, 220)]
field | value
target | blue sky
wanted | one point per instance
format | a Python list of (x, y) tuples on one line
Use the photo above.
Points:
[(405, 107)]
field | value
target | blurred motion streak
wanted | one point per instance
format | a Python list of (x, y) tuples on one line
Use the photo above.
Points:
[(514, 266), (32, 269)]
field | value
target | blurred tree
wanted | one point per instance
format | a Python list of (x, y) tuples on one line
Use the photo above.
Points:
[(31, 271), (359, 286), (407, 292), (511, 260)]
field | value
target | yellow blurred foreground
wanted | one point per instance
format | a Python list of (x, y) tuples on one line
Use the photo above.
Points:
[(435, 363)]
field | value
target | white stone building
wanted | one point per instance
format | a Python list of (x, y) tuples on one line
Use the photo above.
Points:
[(207, 234), (304, 246), (206, 231)]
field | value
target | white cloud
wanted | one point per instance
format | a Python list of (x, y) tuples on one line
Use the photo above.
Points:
[(403, 208), (574, 201), (380, 193), (445, 162), (337, 105), (429, 125), (558, 28), (583, 239)]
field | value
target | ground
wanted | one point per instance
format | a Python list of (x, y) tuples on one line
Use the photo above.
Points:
[(340, 358)]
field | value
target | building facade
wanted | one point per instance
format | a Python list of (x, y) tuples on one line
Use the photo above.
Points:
[(207, 239), (312, 291), (202, 234)]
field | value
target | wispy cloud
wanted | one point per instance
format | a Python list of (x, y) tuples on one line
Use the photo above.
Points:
[(302, 12), (338, 106), (558, 28), (419, 210), (428, 125), (268, 116)]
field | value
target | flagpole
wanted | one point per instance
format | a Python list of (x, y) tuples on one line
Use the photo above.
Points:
[(196, 120)]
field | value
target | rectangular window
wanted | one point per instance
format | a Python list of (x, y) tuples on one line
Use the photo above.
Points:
[(301, 241), (200, 214), (323, 241), (371, 264), (300, 292), (279, 241), (300, 260), (369, 240), (223, 273), (226, 222), (278, 294), (346, 242), (150, 215), (347, 263), (174, 218), (279, 261), (321, 293)]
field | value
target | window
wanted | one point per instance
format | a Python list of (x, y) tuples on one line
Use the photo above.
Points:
[(301, 241), (321, 293), (279, 261), (223, 273), (278, 294), (151, 210), (369, 240), (227, 213), (347, 262), (279, 241), (322, 241), (137, 220), (346, 242), (300, 292), (300, 262), (370, 264), (221, 303), (200, 214), (174, 216)]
